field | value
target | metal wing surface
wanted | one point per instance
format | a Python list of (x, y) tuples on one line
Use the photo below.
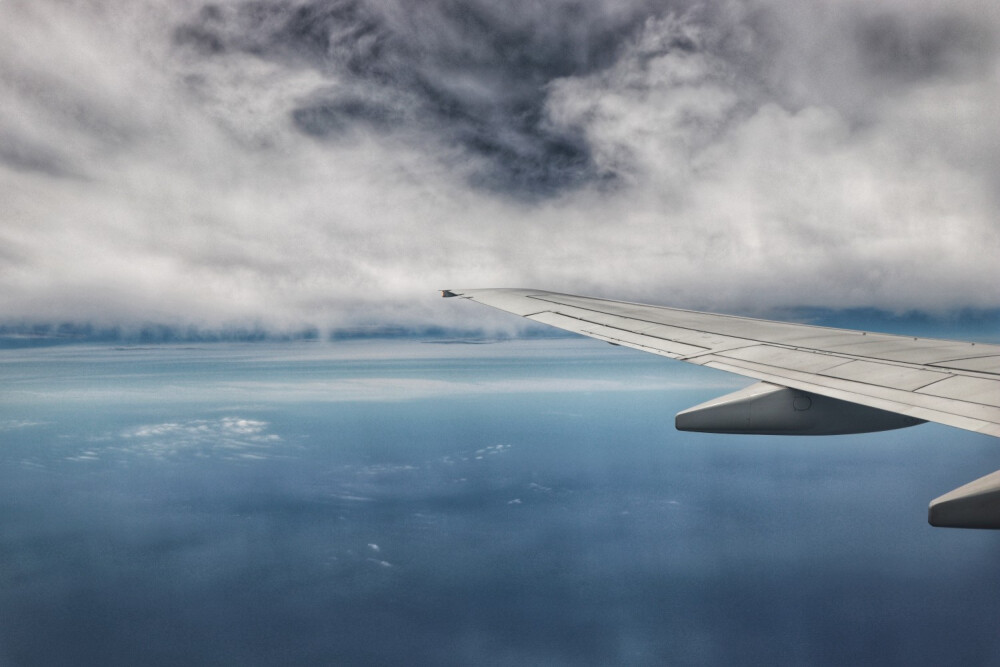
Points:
[(949, 382)]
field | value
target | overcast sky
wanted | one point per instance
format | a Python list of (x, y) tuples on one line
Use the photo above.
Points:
[(329, 163)]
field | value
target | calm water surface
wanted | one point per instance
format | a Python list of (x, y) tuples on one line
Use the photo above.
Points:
[(403, 502)]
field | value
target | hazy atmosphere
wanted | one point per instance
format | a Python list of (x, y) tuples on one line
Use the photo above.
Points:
[(290, 164)]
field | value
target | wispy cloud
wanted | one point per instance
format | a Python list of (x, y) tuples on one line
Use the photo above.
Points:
[(344, 389), (332, 163), (227, 437), (17, 424)]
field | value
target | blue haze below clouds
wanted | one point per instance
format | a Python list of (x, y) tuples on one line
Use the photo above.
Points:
[(524, 502)]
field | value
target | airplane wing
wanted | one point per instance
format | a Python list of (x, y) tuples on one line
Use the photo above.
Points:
[(812, 380)]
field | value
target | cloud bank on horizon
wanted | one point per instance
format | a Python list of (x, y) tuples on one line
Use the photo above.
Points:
[(332, 163)]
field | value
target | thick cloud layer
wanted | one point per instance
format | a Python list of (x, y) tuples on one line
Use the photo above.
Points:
[(332, 163)]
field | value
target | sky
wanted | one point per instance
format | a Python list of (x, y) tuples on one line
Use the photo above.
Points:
[(328, 164)]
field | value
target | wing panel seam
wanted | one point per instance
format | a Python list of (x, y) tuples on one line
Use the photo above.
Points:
[(858, 356), (854, 385), (707, 350)]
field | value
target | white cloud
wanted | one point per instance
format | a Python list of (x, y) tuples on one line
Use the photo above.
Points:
[(403, 388), (226, 437), (758, 162), (746, 205), (17, 424)]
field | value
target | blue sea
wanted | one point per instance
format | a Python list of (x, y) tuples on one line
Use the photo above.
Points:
[(436, 502)]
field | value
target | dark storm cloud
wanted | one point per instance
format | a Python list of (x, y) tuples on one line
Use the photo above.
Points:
[(21, 154), (337, 116), (912, 47), (471, 74)]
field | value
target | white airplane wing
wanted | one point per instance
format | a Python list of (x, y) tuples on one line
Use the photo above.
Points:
[(812, 380)]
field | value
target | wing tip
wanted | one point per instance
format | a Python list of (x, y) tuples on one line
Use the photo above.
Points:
[(447, 293)]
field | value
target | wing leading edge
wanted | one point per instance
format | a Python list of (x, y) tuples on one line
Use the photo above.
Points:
[(812, 380)]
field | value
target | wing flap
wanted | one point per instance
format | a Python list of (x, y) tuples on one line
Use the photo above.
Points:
[(785, 358), (978, 364), (885, 375), (906, 350), (963, 388)]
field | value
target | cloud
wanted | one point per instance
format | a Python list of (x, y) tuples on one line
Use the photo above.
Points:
[(388, 389), (471, 74), (227, 437), (332, 163), (17, 424)]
